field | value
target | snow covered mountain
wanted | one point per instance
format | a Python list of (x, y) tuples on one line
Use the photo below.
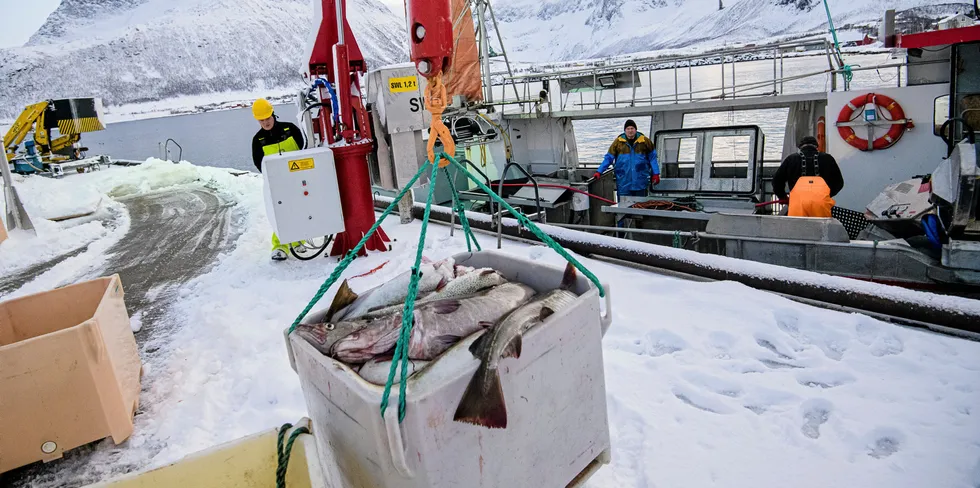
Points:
[(130, 51), (134, 51), (546, 30)]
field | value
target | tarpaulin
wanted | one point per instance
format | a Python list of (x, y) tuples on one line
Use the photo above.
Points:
[(464, 77)]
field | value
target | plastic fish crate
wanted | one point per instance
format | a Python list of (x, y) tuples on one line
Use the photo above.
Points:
[(69, 371), (557, 433), (249, 462)]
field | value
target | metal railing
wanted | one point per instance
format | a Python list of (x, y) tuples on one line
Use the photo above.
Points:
[(165, 151), (500, 191), (549, 85), (530, 86)]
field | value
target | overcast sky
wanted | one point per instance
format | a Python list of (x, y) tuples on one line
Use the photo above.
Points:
[(21, 18)]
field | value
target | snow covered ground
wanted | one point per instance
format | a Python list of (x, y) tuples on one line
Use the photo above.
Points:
[(709, 384)]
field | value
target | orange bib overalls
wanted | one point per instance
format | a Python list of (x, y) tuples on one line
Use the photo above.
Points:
[(810, 196)]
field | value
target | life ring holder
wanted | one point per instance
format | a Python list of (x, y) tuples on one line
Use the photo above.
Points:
[(895, 121)]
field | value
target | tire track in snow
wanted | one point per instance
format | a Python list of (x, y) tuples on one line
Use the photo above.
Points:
[(17, 280)]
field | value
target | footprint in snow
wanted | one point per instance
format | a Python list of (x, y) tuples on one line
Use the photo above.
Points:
[(778, 364), (760, 400), (659, 342), (867, 331), (788, 322), (816, 412), (700, 401), (721, 343), (824, 379), (887, 345), (884, 442), (714, 384), (766, 343)]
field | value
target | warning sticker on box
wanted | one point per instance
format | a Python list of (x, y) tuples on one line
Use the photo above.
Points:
[(403, 84), (300, 165)]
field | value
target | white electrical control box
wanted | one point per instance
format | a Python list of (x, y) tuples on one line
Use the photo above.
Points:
[(302, 198)]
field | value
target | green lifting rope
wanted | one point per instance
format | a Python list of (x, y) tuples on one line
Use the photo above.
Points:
[(848, 69), (401, 346)]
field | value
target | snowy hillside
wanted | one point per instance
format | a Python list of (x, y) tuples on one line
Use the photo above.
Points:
[(136, 51), (130, 51), (536, 30)]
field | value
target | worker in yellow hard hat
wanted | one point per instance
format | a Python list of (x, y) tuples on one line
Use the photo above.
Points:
[(274, 137)]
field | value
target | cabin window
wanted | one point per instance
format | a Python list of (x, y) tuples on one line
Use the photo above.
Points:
[(730, 156), (676, 157), (941, 113)]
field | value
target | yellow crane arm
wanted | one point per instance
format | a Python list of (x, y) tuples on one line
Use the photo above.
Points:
[(64, 141), (22, 126)]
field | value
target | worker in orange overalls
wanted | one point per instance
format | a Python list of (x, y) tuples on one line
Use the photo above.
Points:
[(813, 177)]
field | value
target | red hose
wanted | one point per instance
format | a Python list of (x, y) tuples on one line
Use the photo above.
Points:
[(576, 190), (771, 202)]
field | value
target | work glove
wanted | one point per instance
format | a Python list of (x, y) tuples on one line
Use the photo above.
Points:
[(597, 175), (655, 180)]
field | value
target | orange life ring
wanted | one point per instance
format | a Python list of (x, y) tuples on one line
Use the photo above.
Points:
[(899, 125)]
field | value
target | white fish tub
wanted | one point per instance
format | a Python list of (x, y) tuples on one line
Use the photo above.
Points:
[(557, 433)]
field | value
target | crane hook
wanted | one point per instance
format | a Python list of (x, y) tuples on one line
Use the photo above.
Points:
[(435, 103)]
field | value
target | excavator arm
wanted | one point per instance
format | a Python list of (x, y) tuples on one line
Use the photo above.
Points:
[(31, 116), (63, 142)]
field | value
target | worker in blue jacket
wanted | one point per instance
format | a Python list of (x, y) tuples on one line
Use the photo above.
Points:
[(634, 160)]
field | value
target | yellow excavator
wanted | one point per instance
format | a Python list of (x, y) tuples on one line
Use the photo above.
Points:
[(70, 117)]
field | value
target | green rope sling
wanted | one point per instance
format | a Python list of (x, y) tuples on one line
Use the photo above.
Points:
[(401, 347)]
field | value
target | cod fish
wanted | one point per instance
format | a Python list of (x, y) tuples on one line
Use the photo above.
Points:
[(323, 335), (460, 287), (483, 401), (438, 325), (376, 370), (348, 305), (461, 270)]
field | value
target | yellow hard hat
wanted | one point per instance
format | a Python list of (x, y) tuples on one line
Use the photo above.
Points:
[(262, 109)]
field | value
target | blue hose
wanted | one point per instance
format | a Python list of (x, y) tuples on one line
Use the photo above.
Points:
[(333, 97), (930, 223), (335, 102)]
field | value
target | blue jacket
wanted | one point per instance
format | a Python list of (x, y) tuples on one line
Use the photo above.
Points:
[(634, 163)]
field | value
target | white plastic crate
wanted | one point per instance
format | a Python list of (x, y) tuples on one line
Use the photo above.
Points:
[(557, 433)]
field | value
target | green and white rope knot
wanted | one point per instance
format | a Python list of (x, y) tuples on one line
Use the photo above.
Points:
[(282, 455)]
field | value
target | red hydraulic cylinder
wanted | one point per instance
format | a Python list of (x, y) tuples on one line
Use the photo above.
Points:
[(430, 27), (336, 55), (355, 200)]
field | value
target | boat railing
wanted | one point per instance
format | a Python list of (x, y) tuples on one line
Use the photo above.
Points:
[(538, 215), (608, 84)]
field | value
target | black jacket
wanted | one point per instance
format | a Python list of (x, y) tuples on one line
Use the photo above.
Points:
[(279, 133), (793, 168)]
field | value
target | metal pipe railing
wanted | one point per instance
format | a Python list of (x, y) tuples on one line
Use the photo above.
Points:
[(500, 192), (653, 62), (166, 149)]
